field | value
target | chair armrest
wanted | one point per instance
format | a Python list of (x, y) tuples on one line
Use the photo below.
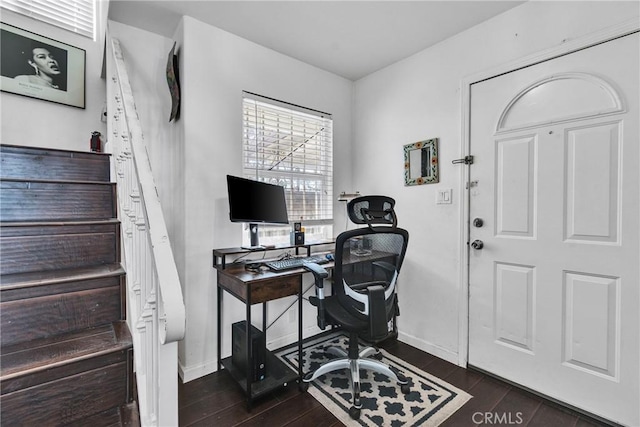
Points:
[(319, 273), (378, 321)]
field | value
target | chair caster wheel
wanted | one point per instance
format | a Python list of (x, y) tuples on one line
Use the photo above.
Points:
[(405, 389), (303, 386), (378, 356), (354, 413)]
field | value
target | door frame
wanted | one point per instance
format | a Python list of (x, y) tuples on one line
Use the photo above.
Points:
[(602, 36)]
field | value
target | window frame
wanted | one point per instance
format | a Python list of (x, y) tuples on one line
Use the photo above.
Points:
[(314, 162), (77, 16)]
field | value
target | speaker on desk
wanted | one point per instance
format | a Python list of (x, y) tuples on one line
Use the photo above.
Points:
[(297, 237), (239, 350)]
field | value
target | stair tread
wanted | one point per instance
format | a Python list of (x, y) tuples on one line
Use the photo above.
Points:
[(43, 354), (9, 148), (55, 181), (54, 223), (32, 279), (47, 163)]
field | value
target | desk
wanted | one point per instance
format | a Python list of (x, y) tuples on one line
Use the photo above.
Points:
[(259, 288)]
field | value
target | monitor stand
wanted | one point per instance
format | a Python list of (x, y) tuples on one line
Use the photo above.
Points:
[(253, 234)]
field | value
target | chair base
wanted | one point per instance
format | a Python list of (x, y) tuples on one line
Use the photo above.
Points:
[(354, 365)]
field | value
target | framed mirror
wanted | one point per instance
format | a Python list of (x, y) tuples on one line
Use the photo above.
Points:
[(421, 162)]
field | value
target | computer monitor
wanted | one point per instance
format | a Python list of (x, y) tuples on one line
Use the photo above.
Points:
[(256, 202)]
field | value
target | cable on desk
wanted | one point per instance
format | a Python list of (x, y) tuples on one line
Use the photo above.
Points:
[(237, 260)]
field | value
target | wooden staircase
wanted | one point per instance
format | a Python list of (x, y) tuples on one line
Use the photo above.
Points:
[(66, 351)]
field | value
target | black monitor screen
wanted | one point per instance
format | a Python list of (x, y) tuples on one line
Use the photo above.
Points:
[(256, 202)]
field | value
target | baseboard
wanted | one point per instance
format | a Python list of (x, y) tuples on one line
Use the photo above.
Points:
[(190, 373), (442, 353), (194, 372), (289, 339)]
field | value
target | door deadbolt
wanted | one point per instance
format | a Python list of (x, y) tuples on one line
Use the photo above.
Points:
[(477, 244), (478, 222)]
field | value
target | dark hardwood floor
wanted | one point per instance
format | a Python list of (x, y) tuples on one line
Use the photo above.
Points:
[(217, 400)]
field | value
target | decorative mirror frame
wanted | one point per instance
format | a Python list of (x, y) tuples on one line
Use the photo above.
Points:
[(427, 154)]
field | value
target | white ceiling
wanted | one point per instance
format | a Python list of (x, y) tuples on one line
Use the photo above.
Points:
[(348, 38)]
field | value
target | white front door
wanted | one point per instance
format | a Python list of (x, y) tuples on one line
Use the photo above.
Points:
[(554, 291)]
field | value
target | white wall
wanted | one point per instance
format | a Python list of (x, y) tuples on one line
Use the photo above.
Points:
[(419, 98), (145, 55), (34, 122), (191, 157), (218, 66)]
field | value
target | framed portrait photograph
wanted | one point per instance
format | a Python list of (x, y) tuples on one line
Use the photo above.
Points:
[(39, 67)]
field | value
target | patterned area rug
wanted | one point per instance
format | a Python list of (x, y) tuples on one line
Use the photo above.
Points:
[(430, 402)]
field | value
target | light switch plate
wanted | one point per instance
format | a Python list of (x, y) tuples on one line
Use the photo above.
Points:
[(444, 197)]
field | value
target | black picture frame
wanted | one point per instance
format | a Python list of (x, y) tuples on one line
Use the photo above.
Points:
[(39, 67)]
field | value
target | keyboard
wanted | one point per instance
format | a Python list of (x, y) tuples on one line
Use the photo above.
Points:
[(288, 264)]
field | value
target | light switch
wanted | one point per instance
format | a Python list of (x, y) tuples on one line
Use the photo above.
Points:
[(444, 197)]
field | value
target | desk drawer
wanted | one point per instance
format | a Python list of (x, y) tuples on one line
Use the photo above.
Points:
[(274, 289), (265, 289)]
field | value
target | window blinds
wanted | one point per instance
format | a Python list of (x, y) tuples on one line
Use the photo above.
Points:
[(293, 147), (72, 15)]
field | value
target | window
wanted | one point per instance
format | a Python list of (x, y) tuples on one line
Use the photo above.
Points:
[(291, 146), (73, 15)]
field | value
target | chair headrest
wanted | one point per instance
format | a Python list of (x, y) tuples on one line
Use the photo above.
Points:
[(372, 210)]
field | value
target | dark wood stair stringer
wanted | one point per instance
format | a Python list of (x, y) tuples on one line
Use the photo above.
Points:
[(66, 354)]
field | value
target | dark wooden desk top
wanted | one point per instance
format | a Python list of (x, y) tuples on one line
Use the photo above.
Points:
[(239, 273), (264, 285)]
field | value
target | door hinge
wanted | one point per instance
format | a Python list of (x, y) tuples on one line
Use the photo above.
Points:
[(468, 160)]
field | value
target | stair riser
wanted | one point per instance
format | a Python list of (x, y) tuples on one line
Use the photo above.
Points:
[(29, 249), (43, 201), (37, 163), (16, 291), (53, 359), (41, 317), (68, 399)]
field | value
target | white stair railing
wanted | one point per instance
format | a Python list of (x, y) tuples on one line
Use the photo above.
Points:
[(155, 307)]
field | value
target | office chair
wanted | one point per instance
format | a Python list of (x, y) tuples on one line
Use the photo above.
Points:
[(364, 301)]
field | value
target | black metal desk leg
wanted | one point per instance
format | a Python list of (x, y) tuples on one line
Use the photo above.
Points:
[(248, 351), (300, 321), (219, 328), (264, 321)]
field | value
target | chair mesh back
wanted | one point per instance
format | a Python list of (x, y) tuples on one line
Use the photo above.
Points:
[(365, 255), (362, 248)]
